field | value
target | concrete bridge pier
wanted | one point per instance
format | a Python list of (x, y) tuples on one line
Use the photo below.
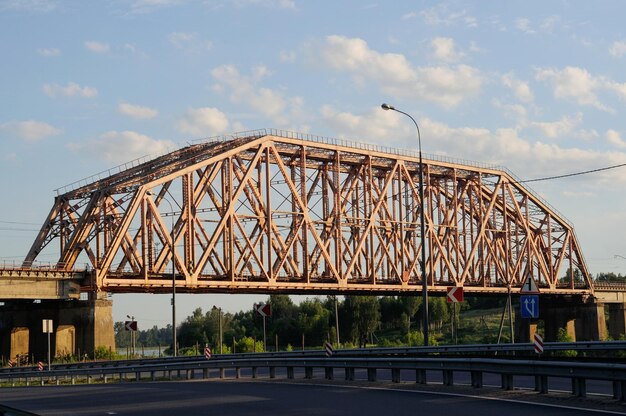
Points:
[(583, 321), (617, 320), (80, 326)]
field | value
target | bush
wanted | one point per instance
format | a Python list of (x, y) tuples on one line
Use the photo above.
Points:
[(103, 353), (562, 336), (246, 344)]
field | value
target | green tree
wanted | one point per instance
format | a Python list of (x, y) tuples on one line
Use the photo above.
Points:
[(283, 322), (362, 316), (313, 322), (193, 330), (410, 306)]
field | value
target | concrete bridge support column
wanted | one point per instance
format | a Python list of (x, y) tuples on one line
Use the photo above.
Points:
[(582, 321), (590, 322), (556, 318), (524, 328), (617, 320), (80, 327)]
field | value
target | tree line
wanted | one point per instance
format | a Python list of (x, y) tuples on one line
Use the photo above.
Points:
[(384, 321)]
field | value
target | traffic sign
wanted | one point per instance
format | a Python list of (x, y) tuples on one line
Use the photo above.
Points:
[(329, 348), (529, 306), (529, 286), (454, 294), (207, 353), (47, 326), (40, 366), (263, 309), (538, 342), (130, 325)]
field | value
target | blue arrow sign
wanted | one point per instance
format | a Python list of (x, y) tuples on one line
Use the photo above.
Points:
[(529, 306)]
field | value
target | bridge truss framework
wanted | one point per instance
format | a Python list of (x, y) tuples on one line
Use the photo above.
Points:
[(278, 211)]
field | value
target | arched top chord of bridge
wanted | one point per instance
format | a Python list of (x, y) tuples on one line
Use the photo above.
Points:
[(274, 211)]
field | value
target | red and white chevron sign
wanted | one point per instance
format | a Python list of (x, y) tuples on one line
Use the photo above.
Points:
[(207, 353), (538, 342), (263, 309), (454, 294), (40, 366)]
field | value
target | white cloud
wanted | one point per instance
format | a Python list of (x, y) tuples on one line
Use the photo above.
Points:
[(270, 4), (203, 122), (520, 89), (147, 6), (30, 130), (373, 124), (441, 16), (47, 52), (526, 157), (32, 6), (514, 111), (559, 128), (444, 50), (547, 25), (135, 145), (287, 57), (618, 49), (72, 89), (615, 139), (577, 84), (10, 157), (246, 90), (523, 25), (97, 47), (189, 42), (137, 111), (446, 86)]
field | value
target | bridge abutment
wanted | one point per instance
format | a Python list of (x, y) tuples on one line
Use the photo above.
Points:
[(582, 321), (617, 320), (79, 327)]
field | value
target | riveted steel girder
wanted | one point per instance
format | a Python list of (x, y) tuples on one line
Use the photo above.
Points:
[(278, 211)]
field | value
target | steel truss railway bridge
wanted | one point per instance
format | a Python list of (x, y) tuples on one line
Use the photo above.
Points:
[(271, 211)]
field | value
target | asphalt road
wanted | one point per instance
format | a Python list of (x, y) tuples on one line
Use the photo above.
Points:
[(274, 398)]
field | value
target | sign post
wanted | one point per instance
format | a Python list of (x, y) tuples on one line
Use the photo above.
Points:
[(328, 347), (538, 343), (47, 329), (132, 327), (529, 299), (265, 310), (454, 295)]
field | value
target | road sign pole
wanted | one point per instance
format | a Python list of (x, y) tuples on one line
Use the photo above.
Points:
[(264, 336), (510, 306), (455, 327), (48, 350)]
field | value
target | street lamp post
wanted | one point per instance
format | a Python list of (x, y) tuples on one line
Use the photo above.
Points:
[(385, 106), (175, 347)]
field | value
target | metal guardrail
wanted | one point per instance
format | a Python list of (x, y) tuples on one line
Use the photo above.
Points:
[(578, 372), (479, 349), (476, 349)]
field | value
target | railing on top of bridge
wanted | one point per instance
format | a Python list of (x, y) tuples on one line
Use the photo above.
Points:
[(611, 286), (13, 269), (317, 139)]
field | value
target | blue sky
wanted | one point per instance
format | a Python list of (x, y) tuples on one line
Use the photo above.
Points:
[(538, 87)]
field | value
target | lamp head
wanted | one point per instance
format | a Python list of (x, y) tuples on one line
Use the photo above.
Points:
[(386, 106)]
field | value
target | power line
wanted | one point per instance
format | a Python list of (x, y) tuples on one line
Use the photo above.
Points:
[(585, 172), (18, 223)]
